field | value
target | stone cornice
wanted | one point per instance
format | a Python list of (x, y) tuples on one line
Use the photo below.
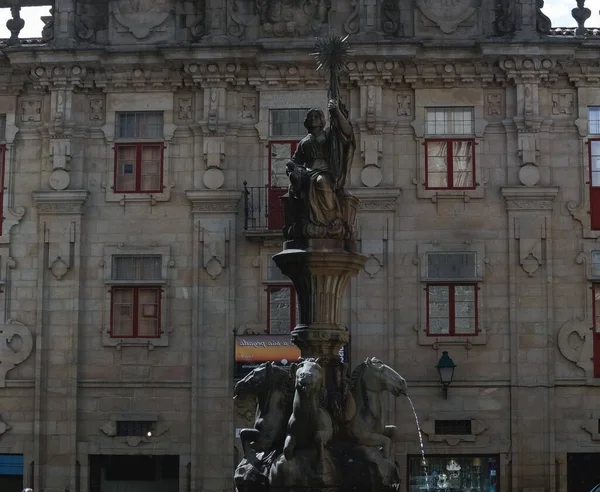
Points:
[(214, 201), (524, 198), (68, 202)]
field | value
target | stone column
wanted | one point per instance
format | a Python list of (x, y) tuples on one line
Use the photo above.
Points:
[(57, 331), (531, 321), (213, 318)]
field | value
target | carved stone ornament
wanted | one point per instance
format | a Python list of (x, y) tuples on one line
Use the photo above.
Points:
[(4, 427), (141, 17), (16, 343), (448, 14), (543, 23), (504, 21), (575, 343), (97, 108), (31, 110), (390, 17), (90, 18), (292, 17)]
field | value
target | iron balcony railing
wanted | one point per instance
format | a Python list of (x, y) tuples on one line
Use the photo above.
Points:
[(263, 209)]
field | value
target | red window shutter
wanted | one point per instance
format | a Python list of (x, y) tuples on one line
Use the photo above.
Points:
[(594, 167)]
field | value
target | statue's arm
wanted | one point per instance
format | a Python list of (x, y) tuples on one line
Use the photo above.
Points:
[(299, 158), (343, 124)]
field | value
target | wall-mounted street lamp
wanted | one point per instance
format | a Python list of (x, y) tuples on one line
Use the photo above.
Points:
[(445, 367)]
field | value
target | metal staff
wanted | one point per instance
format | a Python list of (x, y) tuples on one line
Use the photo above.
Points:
[(332, 54)]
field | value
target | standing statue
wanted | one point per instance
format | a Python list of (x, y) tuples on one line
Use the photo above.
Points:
[(317, 205), (332, 438)]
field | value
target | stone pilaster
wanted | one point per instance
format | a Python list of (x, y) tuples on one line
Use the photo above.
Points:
[(531, 321), (57, 331), (213, 318)]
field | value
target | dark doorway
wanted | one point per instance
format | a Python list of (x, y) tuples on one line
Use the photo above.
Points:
[(123, 473), (11, 472), (583, 472)]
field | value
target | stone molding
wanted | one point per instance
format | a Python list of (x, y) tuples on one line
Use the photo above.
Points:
[(428, 427), (68, 202), (214, 201), (9, 357), (525, 198), (377, 199)]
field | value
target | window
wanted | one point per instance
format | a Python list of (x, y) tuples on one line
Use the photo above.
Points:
[(453, 427), (459, 473), (287, 122), (595, 264), (449, 162), (286, 128), (281, 309), (451, 309), (139, 152), (594, 163), (282, 303), (451, 304), (596, 313), (136, 428), (136, 296)]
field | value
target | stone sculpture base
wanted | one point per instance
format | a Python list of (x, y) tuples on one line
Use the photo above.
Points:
[(336, 448)]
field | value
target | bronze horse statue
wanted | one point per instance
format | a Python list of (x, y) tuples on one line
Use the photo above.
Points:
[(310, 425), (273, 387), (364, 414)]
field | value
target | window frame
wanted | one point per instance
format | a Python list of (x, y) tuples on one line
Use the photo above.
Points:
[(293, 305), (594, 190), (596, 329), (138, 166), (136, 307), (450, 164), (127, 102), (2, 186), (161, 339), (426, 248), (452, 307)]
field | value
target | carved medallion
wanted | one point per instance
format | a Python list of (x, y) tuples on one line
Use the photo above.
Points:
[(141, 17), (448, 14)]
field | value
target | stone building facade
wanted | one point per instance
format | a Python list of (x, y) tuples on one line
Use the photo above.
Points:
[(142, 149)]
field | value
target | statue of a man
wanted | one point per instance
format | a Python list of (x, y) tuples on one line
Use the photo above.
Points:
[(318, 171)]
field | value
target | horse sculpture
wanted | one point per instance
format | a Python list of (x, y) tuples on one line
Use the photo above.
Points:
[(273, 387), (310, 426), (365, 420)]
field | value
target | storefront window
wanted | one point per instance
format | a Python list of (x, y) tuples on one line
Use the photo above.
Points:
[(454, 473)]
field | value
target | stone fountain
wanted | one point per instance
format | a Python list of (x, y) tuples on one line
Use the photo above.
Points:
[(318, 428)]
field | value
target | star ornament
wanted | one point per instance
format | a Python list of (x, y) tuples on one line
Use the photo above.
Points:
[(332, 53)]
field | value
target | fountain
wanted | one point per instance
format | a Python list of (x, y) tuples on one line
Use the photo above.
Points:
[(318, 428)]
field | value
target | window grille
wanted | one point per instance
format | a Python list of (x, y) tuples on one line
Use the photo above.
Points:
[(451, 266), (139, 125), (137, 268), (449, 121), (453, 427), (287, 122), (135, 428)]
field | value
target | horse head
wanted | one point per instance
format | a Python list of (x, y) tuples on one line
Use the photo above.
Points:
[(256, 382), (379, 377), (309, 376)]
